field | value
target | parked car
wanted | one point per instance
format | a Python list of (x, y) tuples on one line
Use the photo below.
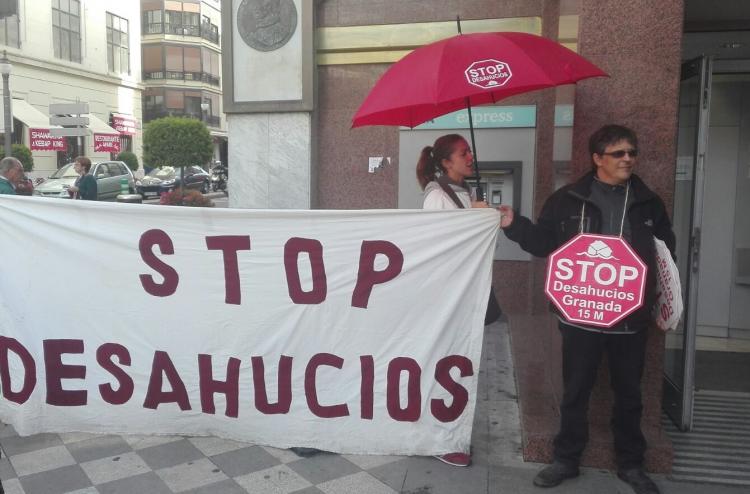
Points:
[(25, 187), (107, 174), (166, 178)]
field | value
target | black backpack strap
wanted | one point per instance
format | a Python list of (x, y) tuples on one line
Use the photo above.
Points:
[(444, 183)]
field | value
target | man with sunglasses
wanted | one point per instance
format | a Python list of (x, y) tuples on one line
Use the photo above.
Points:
[(608, 200)]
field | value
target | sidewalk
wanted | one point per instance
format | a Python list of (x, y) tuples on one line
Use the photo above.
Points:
[(89, 464)]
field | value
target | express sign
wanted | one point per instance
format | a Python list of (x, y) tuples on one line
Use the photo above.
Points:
[(595, 280)]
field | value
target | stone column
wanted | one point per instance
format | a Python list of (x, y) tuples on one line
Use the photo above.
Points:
[(267, 55), (638, 44)]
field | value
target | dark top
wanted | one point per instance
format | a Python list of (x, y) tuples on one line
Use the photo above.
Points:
[(87, 189), (560, 220)]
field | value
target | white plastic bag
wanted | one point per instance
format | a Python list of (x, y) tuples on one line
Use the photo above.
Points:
[(668, 308)]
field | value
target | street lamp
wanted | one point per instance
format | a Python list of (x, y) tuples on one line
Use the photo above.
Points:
[(5, 69)]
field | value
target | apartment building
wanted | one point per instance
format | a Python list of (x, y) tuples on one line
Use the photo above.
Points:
[(68, 51), (181, 53)]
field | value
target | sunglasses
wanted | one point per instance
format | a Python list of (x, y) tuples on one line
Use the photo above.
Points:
[(622, 152)]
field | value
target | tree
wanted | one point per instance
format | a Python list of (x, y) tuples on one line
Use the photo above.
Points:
[(177, 142), (22, 154), (130, 159)]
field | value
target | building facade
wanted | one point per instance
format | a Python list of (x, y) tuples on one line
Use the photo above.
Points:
[(181, 52), (74, 51)]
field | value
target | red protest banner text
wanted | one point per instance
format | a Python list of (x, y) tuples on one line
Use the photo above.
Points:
[(368, 277), (61, 374), (41, 140)]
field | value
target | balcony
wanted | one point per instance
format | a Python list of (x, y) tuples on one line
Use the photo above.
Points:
[(209, 32), (182, 76)]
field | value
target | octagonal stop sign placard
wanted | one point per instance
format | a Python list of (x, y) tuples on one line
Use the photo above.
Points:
[(595, 280)]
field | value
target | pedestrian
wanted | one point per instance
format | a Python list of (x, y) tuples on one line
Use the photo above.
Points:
[(11, 173), (608, 200), (85, 185), (441, 171)]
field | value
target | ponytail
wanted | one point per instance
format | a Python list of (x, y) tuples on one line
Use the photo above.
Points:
[(426, 168)]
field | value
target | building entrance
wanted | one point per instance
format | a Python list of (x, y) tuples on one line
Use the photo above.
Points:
[(707, 360)]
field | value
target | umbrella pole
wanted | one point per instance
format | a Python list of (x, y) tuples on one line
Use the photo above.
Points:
[(480, 193)]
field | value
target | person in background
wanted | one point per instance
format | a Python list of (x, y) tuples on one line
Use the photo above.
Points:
[(85, 185), (441, 168), (608, 200), (11, 172)]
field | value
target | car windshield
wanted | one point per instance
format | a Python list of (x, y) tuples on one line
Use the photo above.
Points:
[(163, 173), (66, 171)]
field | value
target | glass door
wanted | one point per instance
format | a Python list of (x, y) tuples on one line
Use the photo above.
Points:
[(679, 356)]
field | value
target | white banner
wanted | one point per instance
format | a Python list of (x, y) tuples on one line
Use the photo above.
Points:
[(347, 331)]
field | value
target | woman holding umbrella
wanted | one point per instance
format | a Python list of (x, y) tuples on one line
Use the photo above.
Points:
[(441, 171)]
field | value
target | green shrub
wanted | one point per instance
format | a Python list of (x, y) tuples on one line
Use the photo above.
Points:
[(130, 159), (176, 141), (22, 154)]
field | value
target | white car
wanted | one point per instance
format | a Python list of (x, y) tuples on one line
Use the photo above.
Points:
[(108, 175)]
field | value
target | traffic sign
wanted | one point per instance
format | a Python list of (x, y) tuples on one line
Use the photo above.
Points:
[(68, 108), (597, 280), (69, 131), (62, 120)]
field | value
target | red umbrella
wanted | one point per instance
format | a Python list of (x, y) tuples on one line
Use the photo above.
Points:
[(468, 70)]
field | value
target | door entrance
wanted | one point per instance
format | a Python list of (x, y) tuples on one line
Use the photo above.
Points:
[(710, 351), (679, 357)]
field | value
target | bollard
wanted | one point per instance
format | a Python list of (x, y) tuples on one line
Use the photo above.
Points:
[(130, 198), (124, 186)]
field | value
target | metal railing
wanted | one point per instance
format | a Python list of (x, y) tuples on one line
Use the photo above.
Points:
[(209, 32), (182, 76)]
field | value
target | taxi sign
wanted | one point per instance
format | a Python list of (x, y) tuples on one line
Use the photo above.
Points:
[(596, 280)]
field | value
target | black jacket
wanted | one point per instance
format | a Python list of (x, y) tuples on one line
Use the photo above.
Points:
[(560, 221)]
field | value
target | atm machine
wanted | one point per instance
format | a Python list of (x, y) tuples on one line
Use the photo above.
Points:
[(501, 182)]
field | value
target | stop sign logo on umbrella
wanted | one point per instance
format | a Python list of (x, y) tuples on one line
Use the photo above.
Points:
[(596, 280), (488, 74)]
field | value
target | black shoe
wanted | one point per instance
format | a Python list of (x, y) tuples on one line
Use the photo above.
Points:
[(638, 480), (554, 474), (305, 452)]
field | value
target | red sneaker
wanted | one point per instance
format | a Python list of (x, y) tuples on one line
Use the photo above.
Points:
[(455, 459)]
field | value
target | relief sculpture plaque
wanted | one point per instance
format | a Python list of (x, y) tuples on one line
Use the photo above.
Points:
[(266, 25)]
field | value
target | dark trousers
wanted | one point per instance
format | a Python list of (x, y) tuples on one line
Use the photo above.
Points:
[(582, 353)]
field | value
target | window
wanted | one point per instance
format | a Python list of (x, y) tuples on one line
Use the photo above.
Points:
[(153, 16), (160, 102), (9, 31), (152, 22), (153, 62), (118, 51), (66, 29), (192, 63)]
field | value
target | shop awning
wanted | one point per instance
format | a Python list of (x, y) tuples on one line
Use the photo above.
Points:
[(38, 124), (98, 126), (30, 116)]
